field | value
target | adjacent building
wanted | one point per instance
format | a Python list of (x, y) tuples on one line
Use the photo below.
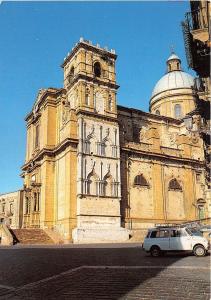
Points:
[(11, 209), (196, 30)]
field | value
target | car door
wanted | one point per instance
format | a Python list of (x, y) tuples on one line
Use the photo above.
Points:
[(163, 239), (180, 240)]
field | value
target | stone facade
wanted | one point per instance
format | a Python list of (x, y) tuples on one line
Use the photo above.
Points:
[(98, 172)]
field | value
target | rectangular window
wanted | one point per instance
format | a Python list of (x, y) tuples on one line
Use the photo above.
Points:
[(101, 188), (198, 177), (115, 186), (35, 201), (3, 207), (87, 147), (114, 151), (101, 149), (11, 208), (27, 206), (37, 133)]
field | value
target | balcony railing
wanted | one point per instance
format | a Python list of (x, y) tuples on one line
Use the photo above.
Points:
[(197, 19)]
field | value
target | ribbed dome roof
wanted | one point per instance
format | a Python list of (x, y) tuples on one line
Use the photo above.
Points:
[(173, 80)]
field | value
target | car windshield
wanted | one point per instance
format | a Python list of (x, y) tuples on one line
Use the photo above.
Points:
[(193, 231)]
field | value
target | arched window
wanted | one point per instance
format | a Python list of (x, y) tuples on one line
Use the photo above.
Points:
[(87, 97), (140, 181), (36, 202), (177, 111), (72, 71), (157, 112), (97, 69), (174, 185), (71, 74), (91, 183)]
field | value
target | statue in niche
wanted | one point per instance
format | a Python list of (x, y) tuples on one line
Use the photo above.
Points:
[(65, 112)]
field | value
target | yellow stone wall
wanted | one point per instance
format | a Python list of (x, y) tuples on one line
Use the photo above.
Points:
[(157, 147), (165, 102)]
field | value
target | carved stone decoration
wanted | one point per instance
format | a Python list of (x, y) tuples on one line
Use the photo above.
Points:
[(172, 138), (65, 113), (107, 135), (91, 134), (39, 96), (142, 134), (194, 138)]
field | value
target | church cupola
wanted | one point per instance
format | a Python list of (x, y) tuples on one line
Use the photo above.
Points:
[(173, 63), (173, 94)]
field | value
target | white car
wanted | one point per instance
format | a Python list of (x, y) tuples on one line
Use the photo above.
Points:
[(164, 239)]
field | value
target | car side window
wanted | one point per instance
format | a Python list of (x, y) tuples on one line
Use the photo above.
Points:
[(175, 233), (159, 234), (154, 234), (148, 234), (164, 234)]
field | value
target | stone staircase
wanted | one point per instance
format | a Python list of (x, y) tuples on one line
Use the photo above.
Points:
[(31, 236)]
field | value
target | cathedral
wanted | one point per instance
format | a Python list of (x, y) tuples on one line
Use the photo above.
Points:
[(96, 171)]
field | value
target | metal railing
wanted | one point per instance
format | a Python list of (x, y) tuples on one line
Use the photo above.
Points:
[(197, 19)]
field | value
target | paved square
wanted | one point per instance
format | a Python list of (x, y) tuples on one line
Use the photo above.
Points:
[(171, 277)]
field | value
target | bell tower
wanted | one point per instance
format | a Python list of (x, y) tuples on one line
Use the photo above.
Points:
[(90, 79), (90, 82)]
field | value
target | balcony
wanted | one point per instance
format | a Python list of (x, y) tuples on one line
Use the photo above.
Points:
[(197, 19), (196, 40)]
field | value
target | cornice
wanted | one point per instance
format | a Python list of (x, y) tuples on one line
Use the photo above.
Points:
[(94, 80), (50, 152), (148, 115), (95, 115), (158, 96), (160, 156), (88, 47)]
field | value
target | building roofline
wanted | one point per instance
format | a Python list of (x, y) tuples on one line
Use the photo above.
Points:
[(47, 91), (87, 46), (147, 114), (20, 190)]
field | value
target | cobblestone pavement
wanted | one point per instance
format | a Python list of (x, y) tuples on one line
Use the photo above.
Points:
[(104, 272)]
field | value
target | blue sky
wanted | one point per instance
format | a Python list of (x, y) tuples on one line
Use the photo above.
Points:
[(36, 36)]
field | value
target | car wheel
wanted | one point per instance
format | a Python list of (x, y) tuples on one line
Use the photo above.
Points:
[(199, 250), (155, 251)]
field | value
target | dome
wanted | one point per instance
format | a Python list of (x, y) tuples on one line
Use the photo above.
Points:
[(173, 56), (173, 80)]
